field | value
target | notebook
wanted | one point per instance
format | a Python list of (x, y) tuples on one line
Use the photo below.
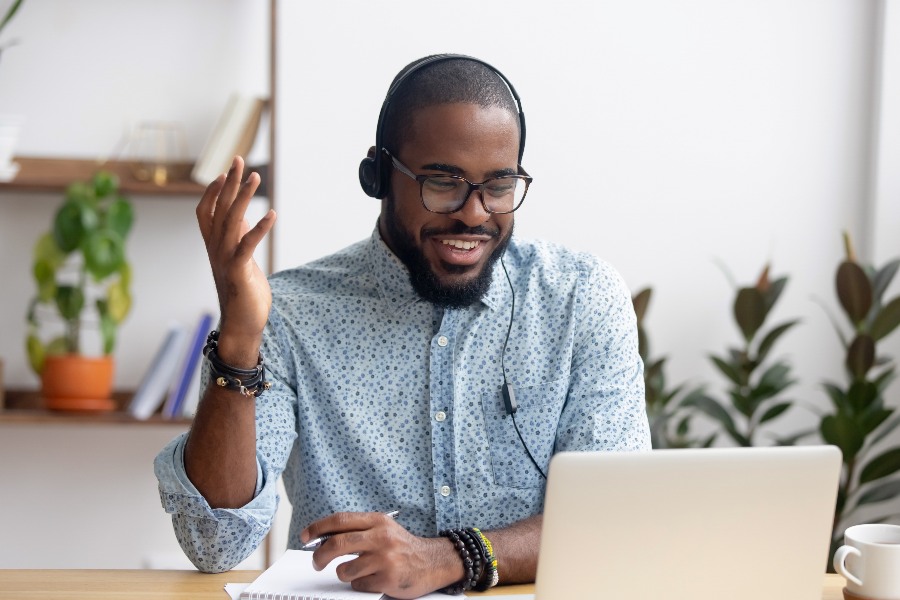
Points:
[(292, 577), (735, 523)]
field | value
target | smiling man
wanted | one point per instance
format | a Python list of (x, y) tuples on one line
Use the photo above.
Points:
[(432, 369)]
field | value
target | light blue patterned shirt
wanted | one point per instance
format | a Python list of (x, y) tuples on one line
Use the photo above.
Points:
[(382, 401)]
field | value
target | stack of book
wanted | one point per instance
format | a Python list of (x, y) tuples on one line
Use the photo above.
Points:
[(171, 384)]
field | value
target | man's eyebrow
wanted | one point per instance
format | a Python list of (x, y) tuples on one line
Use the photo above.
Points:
[(454, 170)]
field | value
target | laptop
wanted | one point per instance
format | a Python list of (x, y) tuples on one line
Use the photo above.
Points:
[(698, 524)]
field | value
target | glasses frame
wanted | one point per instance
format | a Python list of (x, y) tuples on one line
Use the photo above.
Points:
[(522, 174)]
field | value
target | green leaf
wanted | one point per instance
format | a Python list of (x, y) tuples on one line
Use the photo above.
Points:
[(729, 370), (872, 419), (886, 429), (861, 356), (119, 304), (773, 381), (69, 301), (854, 291), (837, 395), (72, 220), (715, 410), (10, 13), (774, 292), (640, 302), (843, 432), (887, 319), (882, 465), (45, 275), (749, 311), (832, 320), (774, 411), (108, 333), (886, 490), (861, 395), (120, 216), (105, 183), (882, 279), (769, 340), (882, 381), (643, 350), (791, 440), (36, 353), (104, 253)]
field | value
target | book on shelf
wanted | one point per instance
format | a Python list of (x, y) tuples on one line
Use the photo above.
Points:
[(188, 369), (292, 576), (234, 133), (151, 393)]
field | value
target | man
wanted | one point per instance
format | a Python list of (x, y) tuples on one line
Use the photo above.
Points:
[(432, 369)]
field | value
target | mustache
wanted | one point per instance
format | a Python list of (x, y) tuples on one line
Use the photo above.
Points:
[(461, 229)]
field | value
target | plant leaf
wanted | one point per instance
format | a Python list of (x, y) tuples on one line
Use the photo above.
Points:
[(882, 279), (885, 490), (887, 319), (774, 411), (749, 311), (774, 292), (886, 429), (727, 369), (854, 291), (640, 302), (36, 353), (10, 13), (882, 465), (120, 217), (104, 253), (861, 356), (769, 340), (861, 395), (837, 395), (69, 301), (843, 432)]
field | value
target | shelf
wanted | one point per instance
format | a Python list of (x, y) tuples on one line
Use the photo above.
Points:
[(55, 174), (27, 406)]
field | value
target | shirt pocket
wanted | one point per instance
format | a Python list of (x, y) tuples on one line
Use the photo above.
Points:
[(537, 418)]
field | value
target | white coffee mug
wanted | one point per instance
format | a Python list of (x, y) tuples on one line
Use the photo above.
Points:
[(870, 560)]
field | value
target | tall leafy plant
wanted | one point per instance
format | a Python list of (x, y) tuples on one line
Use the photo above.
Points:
[(754, 385), (859, 420), (670, 422)]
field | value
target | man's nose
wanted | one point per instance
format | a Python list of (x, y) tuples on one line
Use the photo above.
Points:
[(472, 212)]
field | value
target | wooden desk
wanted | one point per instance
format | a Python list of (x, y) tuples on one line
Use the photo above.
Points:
[(28, 584)]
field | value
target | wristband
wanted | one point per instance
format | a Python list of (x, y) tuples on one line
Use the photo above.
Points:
[(249, 382)]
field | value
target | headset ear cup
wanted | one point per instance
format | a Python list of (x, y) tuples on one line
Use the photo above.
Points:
[(368, 177)]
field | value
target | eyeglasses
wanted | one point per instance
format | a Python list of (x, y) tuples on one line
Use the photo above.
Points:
[(445, 194)]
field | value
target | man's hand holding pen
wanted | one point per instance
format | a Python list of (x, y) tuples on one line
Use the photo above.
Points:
[(391, 560)]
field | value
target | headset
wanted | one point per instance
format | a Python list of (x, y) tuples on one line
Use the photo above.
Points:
[(376, 185), (371, 170)]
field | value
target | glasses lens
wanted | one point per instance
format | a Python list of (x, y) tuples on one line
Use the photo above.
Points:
[(445, 194)]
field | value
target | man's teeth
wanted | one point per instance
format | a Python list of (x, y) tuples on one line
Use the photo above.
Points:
[(460, 244)]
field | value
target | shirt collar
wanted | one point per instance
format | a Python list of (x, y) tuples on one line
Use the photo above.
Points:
[(393, 278)]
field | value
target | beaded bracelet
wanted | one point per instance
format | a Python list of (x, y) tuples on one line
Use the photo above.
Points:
[(493, 573), (249, 382), (470, 578)]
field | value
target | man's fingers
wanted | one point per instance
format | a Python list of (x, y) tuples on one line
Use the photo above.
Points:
[(235, 217), (229, 191), (252, 238), (206, 208), (341, 522)]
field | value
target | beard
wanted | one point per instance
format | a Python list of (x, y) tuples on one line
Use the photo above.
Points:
[(424, 280)]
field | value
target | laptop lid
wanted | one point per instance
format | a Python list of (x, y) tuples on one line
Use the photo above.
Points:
[(698, 524)]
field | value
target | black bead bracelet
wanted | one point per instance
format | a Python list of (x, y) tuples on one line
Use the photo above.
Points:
[(249, 382)]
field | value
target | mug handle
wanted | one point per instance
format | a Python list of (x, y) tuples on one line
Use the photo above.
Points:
[(839, 557)]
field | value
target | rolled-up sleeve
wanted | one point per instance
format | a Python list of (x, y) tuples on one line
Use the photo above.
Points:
[(217, 539), (214, 539)]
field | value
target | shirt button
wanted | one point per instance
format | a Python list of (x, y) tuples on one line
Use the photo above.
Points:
[(440, 416), (442, 341), (445, 490)]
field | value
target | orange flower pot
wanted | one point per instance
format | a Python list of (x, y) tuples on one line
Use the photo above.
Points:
[(78, 383)]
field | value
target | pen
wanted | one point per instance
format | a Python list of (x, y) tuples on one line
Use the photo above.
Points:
[(315, 543)]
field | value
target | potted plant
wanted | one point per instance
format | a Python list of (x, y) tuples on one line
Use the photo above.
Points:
[(83, 278)]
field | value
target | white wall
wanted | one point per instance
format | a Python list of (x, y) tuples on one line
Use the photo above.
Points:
[(735, 131), (663, 136)]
